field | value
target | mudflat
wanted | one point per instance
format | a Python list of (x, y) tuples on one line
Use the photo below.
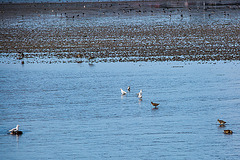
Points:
[(119, 31)]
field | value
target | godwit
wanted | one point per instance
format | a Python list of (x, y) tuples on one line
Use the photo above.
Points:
[(221, 121), (155, 105)]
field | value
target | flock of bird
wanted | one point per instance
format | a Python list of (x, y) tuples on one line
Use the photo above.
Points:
[(16, 131), (222, 124), (139, 95)]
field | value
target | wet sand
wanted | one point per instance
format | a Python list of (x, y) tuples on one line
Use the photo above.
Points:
[(119, 31)]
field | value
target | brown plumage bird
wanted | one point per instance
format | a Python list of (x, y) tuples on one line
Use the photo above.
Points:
[(221, 121), (228, 132), (155, 105)]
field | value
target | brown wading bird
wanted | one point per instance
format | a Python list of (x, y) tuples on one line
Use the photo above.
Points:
[(228, 132), (221, 121), (155, 105)]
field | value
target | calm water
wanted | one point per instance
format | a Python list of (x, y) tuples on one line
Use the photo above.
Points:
[(76, 111)]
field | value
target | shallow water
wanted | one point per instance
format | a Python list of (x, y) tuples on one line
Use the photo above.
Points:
[(76, 111)]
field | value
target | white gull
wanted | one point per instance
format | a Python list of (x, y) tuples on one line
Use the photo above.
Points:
[(14, 129), (123, 92), (140, 94)]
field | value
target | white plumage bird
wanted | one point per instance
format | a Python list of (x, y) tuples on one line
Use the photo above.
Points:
[(123, 92), (140, 94), (14, 129)]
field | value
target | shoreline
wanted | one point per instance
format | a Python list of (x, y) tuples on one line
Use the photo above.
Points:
[(212, 2), (75, 58)]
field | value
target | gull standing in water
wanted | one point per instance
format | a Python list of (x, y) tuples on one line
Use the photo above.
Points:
[(140, 94), (15, 130), (123, 92)]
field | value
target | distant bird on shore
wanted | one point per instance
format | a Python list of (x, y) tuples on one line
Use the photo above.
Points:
[(20, 55), (15, 131), (221, 121), (155, 105), (123, 92), (228, 132)]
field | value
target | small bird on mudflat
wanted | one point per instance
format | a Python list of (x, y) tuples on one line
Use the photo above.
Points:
[(123, 92), (20, 55), (155, 105), (228, 132), (221, 121)]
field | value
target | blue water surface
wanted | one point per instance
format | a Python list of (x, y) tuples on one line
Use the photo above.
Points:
[(76, 111)]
